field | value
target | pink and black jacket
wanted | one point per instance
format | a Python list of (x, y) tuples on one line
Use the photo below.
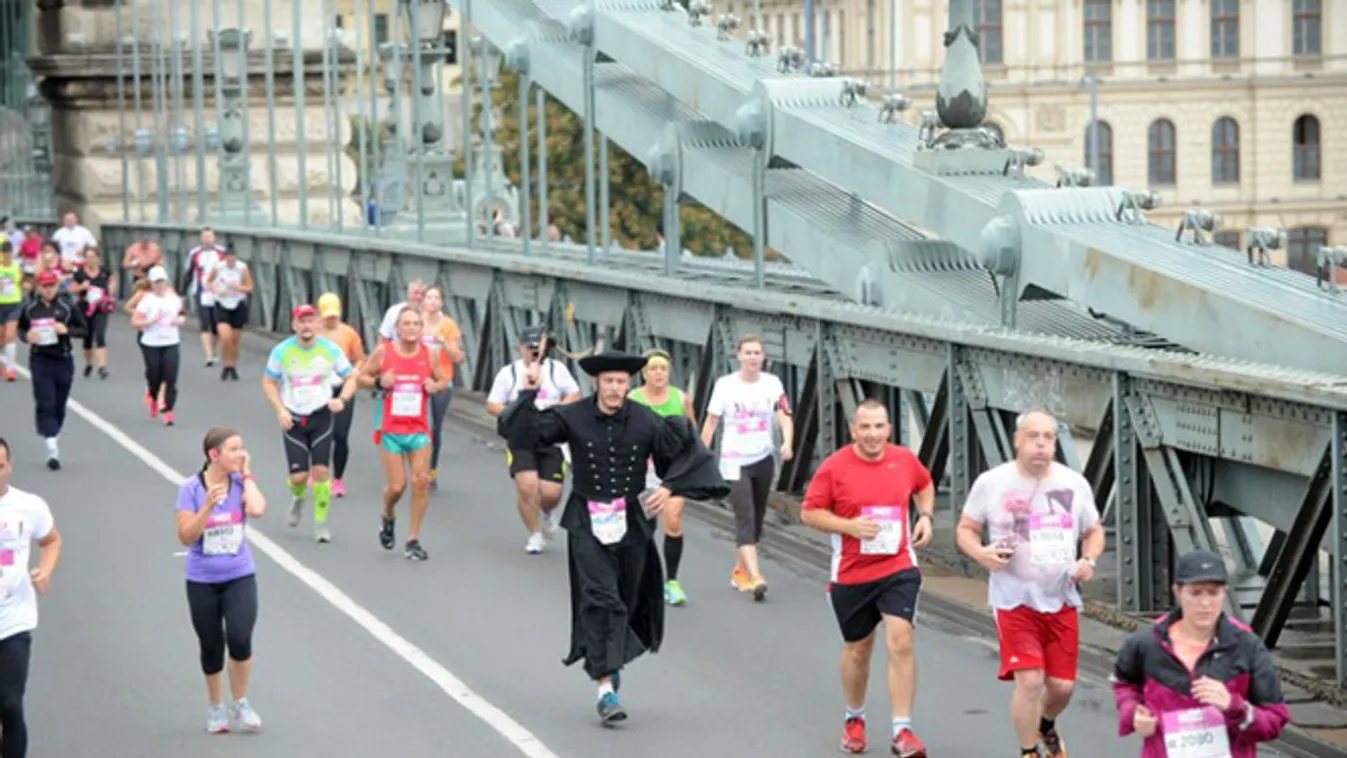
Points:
[(1148, 672)]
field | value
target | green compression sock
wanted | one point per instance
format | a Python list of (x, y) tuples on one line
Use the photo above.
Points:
[(298, 488), (322, 497)]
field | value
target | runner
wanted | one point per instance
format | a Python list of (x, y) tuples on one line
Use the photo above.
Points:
[(408, 373), (296, 382), (97, 291), (747, 452), (11, 304), (141, 256), (213, 509), (230, 282), (442, 333), (331, 328), (48, 324), (861, 495), (656, 394), (416, 294), (159, 315), (539, 475), (616, 582), (1198, 683), (25, 518), (1035, 510), (29, 253), (72, 239), (200, 260)]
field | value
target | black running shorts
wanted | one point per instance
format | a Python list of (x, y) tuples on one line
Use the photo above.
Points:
[(309, 441), (549, 463), (860, 607)]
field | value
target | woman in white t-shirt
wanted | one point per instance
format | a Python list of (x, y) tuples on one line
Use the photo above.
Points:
[(750, 401), (159, 314)]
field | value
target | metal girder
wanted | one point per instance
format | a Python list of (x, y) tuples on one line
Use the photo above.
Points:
[(1338, 542)]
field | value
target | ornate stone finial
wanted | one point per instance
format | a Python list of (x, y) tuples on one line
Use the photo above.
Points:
[(1262, 239), (961, 99)]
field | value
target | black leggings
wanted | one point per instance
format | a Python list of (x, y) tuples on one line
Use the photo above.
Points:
[(341, 431), (439, 406), (161, 367), (97, 333), (223, 613), (15, 651), (748, 495)]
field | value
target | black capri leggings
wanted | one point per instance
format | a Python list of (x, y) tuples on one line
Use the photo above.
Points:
[(341, 432), (97, 333), (223, 613), (14, 655), (161, 367), (748, 495)]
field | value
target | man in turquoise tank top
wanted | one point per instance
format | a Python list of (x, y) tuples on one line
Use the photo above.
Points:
[(656, 394)]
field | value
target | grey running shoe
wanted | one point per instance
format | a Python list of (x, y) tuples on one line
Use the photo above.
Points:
[(245, 716), (321, 533), (296, 510), (217, 720)]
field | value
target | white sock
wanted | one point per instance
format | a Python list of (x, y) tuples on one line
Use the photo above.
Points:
[(605, 688), (9, 354), (53, 451)]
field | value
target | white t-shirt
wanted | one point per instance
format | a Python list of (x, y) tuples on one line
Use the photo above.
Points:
[(388, 328), (72, 240), (1044, 520), (228, 283), (24, 518), (557, 383), (163, 311), (747, 412), (203, 259)]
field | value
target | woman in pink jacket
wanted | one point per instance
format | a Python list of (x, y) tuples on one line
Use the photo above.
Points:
[(1198, 684)]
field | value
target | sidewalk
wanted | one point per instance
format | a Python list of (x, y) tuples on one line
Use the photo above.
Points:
[(954, 589)]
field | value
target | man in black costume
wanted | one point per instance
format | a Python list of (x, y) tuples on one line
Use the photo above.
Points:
[(617, 601)]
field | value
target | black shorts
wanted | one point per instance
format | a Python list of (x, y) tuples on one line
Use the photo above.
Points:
[(860, 607), (205, 315), (235, 318), (309, 441), (549, 463)]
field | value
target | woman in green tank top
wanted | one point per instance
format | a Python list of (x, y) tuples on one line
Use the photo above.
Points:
[(11, 303), (656, 394)]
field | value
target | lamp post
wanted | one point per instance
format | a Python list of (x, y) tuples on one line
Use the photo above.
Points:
[(488, 158), (435, 203), (237, 204), (39, 121)]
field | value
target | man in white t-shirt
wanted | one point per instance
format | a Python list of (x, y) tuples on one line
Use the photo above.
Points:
[(71, 239), (1035, 510), (25, 518), (416, 293), (201, 260), (539, 475)]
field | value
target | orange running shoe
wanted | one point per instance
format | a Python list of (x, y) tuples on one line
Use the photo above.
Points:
[(853, 735), (906, 745), (740, 581)]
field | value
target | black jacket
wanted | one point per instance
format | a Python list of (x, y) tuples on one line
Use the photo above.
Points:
[(62, 312)]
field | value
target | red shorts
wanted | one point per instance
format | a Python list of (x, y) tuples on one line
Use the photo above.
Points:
[(1032, 639)]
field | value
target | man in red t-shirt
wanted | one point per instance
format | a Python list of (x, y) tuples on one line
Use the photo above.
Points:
[(861, 495)]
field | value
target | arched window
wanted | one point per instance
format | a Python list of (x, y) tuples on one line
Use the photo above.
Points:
[(1302, 248), (995, 128), (1225, 151), (1103, 172), (1305, 153), (1161, 145)]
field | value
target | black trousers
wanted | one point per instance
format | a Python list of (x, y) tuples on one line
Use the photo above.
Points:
[(223, 613), (52, 380), (97, 333), (15, 652), (161, 367), (748, 495), (341, 433)]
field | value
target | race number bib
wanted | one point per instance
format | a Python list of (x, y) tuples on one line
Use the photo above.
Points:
[(890, 520), (310, 391), (8, 288), (1052, 539), (407, 399), (224, 534), (748, 425), (608, 521), (45, 328), (9, 573), (95, 295), (1195, 733)]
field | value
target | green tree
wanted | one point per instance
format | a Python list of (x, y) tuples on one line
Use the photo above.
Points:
[(636, 201)]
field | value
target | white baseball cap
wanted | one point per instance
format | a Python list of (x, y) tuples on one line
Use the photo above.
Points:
[(157, 274)]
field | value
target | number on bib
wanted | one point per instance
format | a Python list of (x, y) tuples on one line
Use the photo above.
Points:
[(46, 331), (890, 520), (1052, 539), (8, 288), (224, 534), (1195, 733), (407, 399), (608, 521), (309, 392)]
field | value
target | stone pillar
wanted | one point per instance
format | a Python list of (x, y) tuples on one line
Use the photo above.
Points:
[(76, 67)]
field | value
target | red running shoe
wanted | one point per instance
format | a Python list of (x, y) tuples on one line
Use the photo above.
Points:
[(853, 736), (906, 745)]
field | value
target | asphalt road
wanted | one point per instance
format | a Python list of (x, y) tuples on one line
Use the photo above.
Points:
[(362, 666)]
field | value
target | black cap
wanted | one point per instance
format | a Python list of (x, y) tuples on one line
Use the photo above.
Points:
[(1201, 567), (531, 336)]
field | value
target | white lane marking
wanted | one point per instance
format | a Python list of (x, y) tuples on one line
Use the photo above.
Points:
[(499, 720)]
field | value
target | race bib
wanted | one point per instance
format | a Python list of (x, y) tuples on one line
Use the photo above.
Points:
[(224, 534), (8, 288), (1052, 539), (1195, 733), (890, 520), (310, 391), (45, 328), (608, 521), (407, 399), (749, 425), (95, 295)]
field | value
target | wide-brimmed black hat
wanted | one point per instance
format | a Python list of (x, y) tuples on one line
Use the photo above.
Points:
[(611, 360)]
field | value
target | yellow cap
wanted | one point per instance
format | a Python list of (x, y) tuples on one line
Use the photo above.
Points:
[(329, 305)]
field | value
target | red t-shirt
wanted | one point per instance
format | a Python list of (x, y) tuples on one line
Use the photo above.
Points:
[(849, 485)]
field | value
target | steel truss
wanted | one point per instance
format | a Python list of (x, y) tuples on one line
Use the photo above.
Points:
[(1187, 449)]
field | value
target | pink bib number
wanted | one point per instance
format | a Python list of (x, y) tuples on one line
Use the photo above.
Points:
[(1052, 539), (608, 521)]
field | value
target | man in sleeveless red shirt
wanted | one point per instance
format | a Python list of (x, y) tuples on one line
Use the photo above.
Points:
[(861, 495)]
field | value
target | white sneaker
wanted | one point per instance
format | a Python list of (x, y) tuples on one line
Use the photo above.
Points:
[(245, 716), (296, 510), (546, 523), (321, 534), (217, 720), (53, 448), (535, 543)]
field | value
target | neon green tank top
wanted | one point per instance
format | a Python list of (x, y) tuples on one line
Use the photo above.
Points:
[(671, 407), (11, 283)]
